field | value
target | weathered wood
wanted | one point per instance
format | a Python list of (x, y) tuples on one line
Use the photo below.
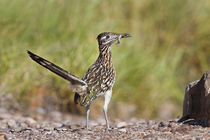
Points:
[(197, 100)]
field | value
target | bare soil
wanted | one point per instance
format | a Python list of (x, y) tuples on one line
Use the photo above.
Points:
[(56, 125)]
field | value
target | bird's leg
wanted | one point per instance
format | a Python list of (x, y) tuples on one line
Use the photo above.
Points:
[(87, 115), (108, 96)]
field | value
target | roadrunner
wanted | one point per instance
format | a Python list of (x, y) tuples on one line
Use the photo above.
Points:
[(99, 78)]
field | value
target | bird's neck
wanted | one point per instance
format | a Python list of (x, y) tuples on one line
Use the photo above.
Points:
[(105, 55)]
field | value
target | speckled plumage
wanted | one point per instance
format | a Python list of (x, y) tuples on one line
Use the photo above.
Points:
[(99, 78)]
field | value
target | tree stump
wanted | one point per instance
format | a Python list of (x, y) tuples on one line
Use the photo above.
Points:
[(197, 101)]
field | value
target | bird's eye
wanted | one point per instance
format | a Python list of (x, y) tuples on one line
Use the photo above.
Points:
[(107, 37)]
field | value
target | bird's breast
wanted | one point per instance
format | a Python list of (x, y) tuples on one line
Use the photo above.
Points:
[(100, 77)]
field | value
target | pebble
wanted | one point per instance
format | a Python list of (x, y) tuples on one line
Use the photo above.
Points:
[(64, 129), (11, 123), (163, 124), (121, 124), (23, 125), (30, 120), (57, 124), (122, 130), (18, 127), (48, 129)]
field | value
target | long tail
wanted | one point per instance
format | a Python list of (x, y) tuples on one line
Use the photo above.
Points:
[(57, 70)]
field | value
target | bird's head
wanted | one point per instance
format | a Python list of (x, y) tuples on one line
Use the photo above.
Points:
[(108, 38)]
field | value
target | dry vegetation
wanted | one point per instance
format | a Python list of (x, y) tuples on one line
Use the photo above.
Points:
[(169, 48)]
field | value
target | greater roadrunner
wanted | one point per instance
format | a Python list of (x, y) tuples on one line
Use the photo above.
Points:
[(99, 78)]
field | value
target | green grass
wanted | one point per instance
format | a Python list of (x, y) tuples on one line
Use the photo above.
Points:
[(170, 47)]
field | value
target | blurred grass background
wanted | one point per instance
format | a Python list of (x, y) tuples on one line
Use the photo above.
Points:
[(169, 48)]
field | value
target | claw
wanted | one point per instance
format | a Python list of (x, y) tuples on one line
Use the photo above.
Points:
[(108, 129)]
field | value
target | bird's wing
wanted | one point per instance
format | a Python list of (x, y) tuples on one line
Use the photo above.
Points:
[(57, 70)]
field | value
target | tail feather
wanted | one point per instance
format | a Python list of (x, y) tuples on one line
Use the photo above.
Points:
[(57, 70)]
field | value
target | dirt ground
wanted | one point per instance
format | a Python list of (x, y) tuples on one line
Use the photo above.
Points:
[(56, 125)]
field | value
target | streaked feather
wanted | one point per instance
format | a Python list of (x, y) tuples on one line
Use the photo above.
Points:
[(76, 84)]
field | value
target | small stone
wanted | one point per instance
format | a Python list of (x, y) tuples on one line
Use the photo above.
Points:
[(64, 129), (163, 124), (12, 130), (121, 124), (11, 123), (38, 126), (66, 126), (58, 124), (30, 120), (23, 125), (49, 132), (149, 136), (48, 129), (123, 130), (83, 131), (99, 127), (150, 122)]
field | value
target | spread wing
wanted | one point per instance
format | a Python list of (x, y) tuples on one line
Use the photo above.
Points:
[(74, 81)]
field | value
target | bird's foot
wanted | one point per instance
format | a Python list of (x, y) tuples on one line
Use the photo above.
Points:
[(108, 128)]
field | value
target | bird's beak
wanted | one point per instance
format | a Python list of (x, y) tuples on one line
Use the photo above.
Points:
[(122, 35)]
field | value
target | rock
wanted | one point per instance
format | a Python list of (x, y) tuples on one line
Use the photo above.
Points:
[(197, 100), (186, 98)]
